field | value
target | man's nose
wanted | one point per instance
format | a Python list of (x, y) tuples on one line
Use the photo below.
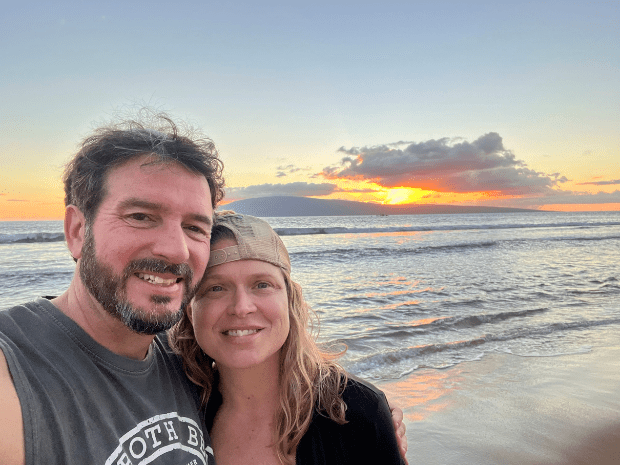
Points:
[(171, 244)]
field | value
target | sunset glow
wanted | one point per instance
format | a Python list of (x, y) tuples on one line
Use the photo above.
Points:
[(404, 195), (299, 103), (610, 207)]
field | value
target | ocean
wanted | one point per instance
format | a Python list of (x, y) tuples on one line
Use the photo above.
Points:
[(414, 291)]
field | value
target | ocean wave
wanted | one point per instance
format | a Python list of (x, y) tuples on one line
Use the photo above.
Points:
[(433, 325), (344, 254), (578, 351), (606, 288), (471, 321), (413, 357), (52, 272), (611, 279), (30, 238), (389, 364), (301, 231), (297, 231), (348, 253), (587, 238)]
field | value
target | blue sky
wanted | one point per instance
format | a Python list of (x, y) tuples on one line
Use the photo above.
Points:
[(279, 84)]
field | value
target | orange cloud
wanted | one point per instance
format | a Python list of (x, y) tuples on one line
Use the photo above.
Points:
[(445, 165), (614, 182)]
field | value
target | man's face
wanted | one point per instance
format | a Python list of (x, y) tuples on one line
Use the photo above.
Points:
[(148, 246)]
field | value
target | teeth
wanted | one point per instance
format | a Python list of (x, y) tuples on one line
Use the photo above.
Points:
[(240, 332), (156, 279)]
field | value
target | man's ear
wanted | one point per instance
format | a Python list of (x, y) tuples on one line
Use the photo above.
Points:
[(75, 228)]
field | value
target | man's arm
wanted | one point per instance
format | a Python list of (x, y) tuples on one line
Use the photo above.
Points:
[(11, 423), (400, 429)]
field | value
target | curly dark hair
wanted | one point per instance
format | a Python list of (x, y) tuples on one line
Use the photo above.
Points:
[(115, 144)]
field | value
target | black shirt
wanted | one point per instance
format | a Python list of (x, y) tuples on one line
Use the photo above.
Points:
[(367, 438)]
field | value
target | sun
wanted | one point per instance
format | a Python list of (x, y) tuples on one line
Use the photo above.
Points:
[(400, 195)]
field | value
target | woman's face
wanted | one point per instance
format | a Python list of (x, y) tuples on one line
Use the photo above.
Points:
[(240, 314)]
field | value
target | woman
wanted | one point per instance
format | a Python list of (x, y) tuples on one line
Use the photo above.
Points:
[(271, 395)]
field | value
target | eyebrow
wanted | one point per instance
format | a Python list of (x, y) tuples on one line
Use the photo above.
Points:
[(132, 202)]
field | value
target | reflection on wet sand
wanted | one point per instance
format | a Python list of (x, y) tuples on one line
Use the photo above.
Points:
[(424, 392), (510, 410), (601, 447)]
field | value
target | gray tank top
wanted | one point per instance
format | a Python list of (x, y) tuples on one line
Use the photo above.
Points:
[(83, 404)]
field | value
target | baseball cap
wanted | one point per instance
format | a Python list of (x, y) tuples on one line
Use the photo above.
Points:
[(256, 240)]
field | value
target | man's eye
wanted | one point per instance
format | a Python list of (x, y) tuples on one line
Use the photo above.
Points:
[(139, 216), (263, 285), (196, 230), (215, 288)]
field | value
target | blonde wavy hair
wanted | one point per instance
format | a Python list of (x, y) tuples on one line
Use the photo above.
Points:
[(310, 378)]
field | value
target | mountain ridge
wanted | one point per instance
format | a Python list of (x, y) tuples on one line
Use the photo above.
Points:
[(304, 206)]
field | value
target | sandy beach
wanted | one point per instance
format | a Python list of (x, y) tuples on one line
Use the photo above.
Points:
[(507, 409)]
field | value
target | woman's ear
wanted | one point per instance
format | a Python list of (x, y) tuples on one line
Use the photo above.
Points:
[(75, 229), (190, 311)]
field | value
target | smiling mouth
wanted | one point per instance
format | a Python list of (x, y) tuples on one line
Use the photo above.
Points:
[(149, 278), (240, 332)]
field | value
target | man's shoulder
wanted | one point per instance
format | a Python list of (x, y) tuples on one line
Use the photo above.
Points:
[(35, 306), (26, 314)]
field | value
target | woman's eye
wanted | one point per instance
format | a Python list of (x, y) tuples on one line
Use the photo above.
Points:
[(208, 291), (263, 285)]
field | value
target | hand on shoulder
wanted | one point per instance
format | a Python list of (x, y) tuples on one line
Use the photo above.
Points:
[(400, 429)]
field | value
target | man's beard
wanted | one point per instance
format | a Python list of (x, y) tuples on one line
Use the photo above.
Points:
[(110, 289)]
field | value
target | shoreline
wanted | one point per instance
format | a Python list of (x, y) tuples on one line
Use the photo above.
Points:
[(508, 409)]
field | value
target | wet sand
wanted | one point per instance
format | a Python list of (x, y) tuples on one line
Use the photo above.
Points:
[(506, 409)]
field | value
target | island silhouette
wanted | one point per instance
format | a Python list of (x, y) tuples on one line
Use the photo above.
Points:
[(304, 206)]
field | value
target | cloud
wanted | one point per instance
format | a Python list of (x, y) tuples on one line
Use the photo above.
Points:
[(600, 183), (357, 150), (445, 165), (557, 197), (16, 200), (285, 170), (583, 198), (298, 189)]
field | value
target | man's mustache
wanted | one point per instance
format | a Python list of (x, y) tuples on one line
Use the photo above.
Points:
[(154, 265)]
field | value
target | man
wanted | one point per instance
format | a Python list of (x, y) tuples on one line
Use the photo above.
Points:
[(84, 377)]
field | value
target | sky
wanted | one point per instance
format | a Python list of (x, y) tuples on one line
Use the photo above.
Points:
[(511, 104)]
